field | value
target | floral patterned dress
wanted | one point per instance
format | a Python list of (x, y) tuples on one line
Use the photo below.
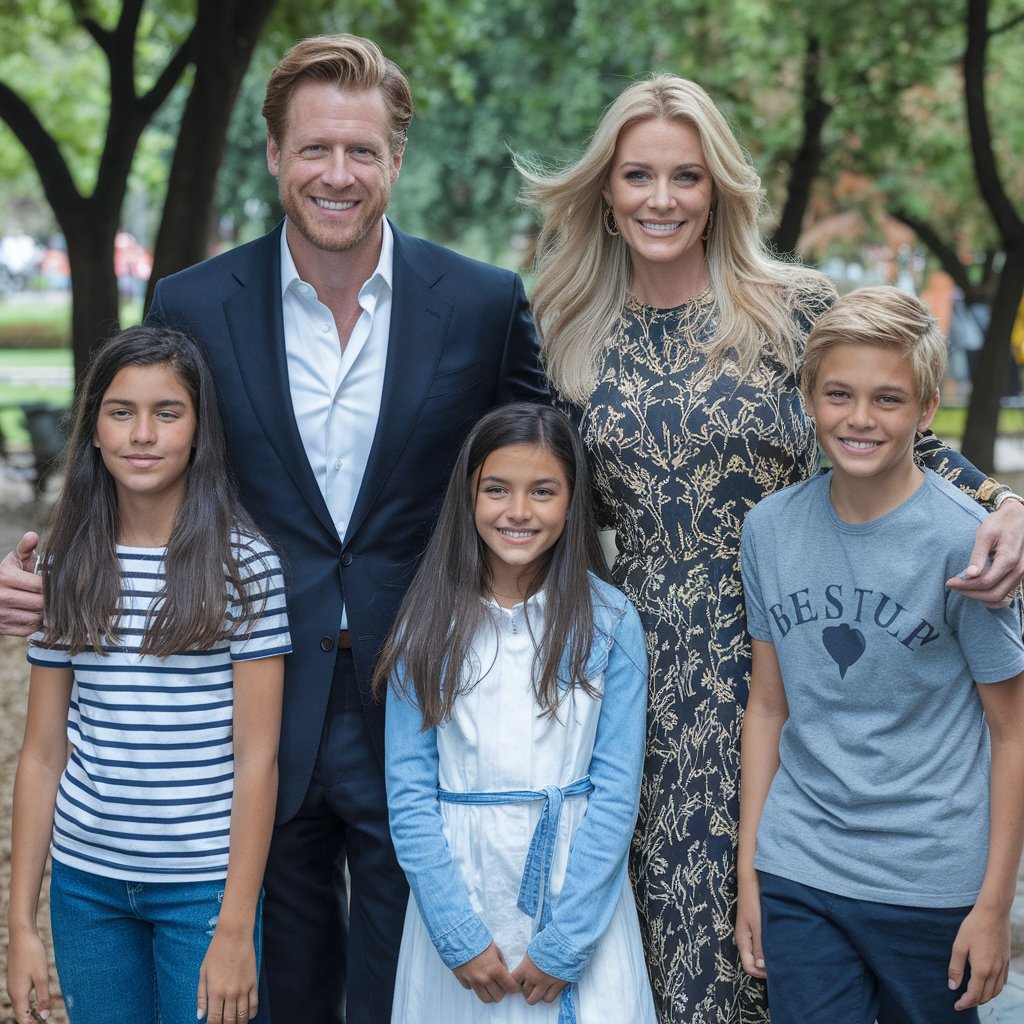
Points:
[(679, 453)]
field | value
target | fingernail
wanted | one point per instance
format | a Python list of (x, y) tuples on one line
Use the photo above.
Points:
[(199, 1014), (759, 963), (952, 985), (45, 1014)]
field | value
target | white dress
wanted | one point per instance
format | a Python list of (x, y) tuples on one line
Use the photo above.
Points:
[(497, 741)]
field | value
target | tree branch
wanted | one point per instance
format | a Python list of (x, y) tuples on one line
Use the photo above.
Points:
[(1003, 213), (168, 78), (41, 147), (943, 252), (1007, 26)]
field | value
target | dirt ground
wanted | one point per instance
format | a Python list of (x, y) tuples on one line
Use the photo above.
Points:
[(18, 513)]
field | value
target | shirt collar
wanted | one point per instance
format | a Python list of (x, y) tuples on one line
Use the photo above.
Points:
[(382, 275)]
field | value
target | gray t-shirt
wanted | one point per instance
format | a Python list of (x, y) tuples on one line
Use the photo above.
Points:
[(882, 789)]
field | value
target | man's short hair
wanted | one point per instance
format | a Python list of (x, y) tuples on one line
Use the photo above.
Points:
[(349, 62), (887, 318)]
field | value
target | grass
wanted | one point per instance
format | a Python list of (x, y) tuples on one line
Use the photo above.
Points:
[(950, 420), (14, 395)]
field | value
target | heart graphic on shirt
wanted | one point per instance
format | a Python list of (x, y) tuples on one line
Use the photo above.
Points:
[(844, 644)]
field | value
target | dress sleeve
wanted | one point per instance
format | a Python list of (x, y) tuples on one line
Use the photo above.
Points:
[(931, 452), (596, 871), (417, 829)]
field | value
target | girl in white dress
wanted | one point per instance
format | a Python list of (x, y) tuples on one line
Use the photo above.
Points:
[(515, 737)]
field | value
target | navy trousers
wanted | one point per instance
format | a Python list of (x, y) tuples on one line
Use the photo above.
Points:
[(831, 958), (329, 955)]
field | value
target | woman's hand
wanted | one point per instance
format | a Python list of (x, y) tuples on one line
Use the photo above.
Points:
[(487, 975), (227, 979), (535, 983), (1001, 538)]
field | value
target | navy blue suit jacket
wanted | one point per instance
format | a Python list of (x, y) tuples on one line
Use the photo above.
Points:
[(461, 342)]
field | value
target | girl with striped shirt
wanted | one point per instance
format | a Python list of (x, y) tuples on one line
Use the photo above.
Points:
[(149, 765)]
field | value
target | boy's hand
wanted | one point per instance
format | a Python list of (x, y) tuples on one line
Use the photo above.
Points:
[(27, 971), (983, 941), (1000, 536), (748, 927), (535, 983), (487, 975)]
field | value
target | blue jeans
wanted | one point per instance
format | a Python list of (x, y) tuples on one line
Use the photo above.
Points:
[(130, 952), (831, 958)]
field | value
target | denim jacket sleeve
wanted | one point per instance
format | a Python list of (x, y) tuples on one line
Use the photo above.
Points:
[(417, 829), (596, 870)]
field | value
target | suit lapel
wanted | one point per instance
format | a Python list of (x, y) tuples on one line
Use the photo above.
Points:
[(256, 328), (419, 325)]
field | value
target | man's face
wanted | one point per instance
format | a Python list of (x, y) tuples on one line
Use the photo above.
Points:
[(334, 166)]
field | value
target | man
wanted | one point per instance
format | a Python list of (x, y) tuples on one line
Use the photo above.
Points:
[(350, 360)]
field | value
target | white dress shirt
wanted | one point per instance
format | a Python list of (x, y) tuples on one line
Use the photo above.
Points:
[(336, 395)]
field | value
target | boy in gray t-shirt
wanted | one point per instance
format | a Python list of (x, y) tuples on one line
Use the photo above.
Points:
[(878, 853)]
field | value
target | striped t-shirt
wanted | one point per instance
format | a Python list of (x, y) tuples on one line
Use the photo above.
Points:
[(146, 794)]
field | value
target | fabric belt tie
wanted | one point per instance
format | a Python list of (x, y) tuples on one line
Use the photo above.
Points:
[(535, 890)]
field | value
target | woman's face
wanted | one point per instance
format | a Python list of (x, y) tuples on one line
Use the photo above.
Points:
[(659, 189)]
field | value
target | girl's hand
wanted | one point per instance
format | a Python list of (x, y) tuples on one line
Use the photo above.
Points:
[(983, 941), (227, 979), (535, 983), (28, 971), (487, 975), (748, 927)]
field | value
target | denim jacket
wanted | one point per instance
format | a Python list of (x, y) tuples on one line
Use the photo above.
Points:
[(596, 869)]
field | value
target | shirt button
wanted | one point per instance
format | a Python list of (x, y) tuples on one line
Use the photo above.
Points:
[(325, 328), (338, 463), (346, 559), (327, 643)]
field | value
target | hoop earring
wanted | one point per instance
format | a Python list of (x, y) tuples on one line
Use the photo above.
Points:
[(710, 224), (609, 222)]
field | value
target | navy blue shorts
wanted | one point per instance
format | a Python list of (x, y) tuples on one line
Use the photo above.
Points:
[(835, 960)]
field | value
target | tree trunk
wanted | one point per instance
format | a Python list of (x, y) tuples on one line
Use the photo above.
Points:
[(990, 378), (807, 162), (94, 302), (225, 38)]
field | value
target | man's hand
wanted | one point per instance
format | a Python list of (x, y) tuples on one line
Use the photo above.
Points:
[(1001, 537), (21, 590)]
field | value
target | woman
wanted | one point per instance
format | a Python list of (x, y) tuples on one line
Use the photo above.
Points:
[(676, 336)]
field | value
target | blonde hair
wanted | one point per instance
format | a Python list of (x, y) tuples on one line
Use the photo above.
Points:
[(583, 273), (347, 61), (887, 318)]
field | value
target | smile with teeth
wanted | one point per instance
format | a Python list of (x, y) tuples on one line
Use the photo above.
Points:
[(651, 226), (329, 204), (517, 534), (860, 445)]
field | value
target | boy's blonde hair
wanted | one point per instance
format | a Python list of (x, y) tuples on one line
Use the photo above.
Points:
[(888, 318)]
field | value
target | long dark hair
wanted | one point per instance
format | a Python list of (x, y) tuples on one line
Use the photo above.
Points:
[(442, 610), (81, 576)]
